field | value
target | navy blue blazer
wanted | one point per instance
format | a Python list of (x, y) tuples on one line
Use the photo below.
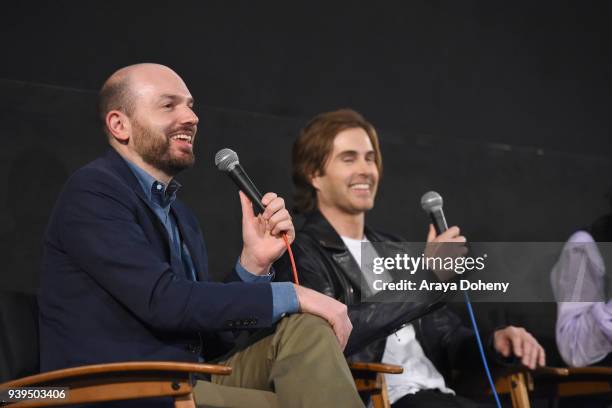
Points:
[(110, 290)]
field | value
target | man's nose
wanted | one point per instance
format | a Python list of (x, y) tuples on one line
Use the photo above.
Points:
[(189, 117), (364, 166)]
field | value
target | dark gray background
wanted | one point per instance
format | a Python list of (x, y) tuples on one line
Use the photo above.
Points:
[(503, 107)]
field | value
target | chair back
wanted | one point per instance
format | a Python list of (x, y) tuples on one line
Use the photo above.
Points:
[(19, 352)]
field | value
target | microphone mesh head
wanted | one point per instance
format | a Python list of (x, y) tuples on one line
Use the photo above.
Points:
[(431, 201), (226, 159)]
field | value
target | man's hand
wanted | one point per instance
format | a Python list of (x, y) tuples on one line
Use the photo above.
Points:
[(449, 244), (518, 341), (450, 235), (327, 308), (262, 235)]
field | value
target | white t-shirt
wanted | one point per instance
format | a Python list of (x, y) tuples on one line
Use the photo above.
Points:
[(403, 349)]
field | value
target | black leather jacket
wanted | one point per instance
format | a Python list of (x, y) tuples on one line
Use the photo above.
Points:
[(326, 265)]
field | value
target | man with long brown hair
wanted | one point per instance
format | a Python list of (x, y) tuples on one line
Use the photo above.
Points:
[(337, 165)]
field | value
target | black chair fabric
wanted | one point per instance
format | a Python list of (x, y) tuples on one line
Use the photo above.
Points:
[(19, 353)]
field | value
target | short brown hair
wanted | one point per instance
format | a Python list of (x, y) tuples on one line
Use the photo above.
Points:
[(115, 95), (313, 147)]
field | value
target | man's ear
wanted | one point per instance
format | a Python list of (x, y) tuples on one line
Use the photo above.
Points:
[(119, 126), (315, 181)]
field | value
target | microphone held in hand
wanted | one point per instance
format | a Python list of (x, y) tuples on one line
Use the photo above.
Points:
[(226, 160), (432, 204)]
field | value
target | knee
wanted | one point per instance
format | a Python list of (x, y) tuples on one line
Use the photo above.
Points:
[(306, 325), (306, 335)]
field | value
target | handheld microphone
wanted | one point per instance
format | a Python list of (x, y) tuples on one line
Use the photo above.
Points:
[(432, 204), (226, 160)]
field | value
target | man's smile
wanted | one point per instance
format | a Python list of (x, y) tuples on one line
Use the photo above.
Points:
[(361, 188)]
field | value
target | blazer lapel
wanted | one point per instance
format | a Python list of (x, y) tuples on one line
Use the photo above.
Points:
[(191, 239), (118, 164)]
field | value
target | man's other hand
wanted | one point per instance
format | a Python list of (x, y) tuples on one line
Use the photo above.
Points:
[(327, 308), (519, 342)]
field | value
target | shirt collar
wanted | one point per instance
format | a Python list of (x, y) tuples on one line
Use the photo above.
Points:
[(155, 191)]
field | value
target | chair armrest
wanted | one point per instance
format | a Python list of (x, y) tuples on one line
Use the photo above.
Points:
[(577, 372), (594, 370), (376, 367), (117, 381), (570, 381), (552, 371), (168, 367)]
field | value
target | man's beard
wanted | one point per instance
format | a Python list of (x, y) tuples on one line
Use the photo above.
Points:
[(154, 149)]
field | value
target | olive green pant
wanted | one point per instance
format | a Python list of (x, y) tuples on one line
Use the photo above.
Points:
[(300, 365)]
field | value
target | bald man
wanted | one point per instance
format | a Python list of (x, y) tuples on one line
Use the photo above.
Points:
[(125, 266)]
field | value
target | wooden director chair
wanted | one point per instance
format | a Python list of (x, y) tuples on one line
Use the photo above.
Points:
[(549, 382), (93, 383), (370, 381), (134, 380), (123, 381), (119, 381), (554, 383)]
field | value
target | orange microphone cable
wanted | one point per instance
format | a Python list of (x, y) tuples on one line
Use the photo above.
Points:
[(293, 267)]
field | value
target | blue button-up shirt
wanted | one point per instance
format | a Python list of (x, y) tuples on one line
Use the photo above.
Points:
[(161, 197)]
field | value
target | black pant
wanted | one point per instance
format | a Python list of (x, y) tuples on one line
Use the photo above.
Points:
[(436, 399)]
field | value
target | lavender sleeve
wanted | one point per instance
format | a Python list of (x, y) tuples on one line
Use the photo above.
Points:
[(584, 315)]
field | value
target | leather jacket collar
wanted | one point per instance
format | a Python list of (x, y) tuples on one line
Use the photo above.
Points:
[(349, 275), (317, 225)]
